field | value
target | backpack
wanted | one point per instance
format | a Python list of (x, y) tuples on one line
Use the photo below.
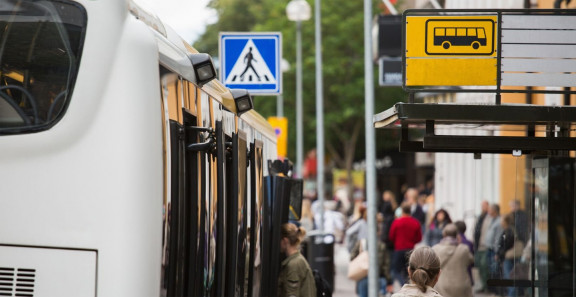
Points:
[(323, 288)]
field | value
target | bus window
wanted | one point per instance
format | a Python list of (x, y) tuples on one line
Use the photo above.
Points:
[(481, 33), (461, 31), (450, 31), (439, 31), (471, 31), (256, 225), (35, 87)]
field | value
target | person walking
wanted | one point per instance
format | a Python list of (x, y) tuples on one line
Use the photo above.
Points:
[(423, 270), (385, 282), (510, 249), (334, 221), (521, 221), (405, 232), (463, 240), (296, 278), (461, 226), (492, 240), (411, 196), (455, 258), (481, 246), (478, 228), (387, 208), (433, 234), (357, 230)]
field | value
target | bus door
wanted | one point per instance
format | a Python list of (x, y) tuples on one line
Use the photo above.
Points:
[(256, 217), (236, 229)]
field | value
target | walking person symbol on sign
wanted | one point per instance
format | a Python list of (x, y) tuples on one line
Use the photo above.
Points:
[(248, 60)]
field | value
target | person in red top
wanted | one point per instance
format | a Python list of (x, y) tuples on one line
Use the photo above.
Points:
[(310, 165), (405, 233)]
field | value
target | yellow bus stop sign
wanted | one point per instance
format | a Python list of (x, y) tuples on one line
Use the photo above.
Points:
[(451, 50), (280, 125)]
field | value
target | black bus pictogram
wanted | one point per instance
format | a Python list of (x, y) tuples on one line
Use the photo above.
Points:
[(460, 36)]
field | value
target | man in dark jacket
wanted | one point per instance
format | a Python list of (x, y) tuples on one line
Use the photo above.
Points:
[(481, 250), (416, 211), (521, 221), (479, 222)]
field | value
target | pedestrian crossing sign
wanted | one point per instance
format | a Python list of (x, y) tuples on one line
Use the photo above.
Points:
[(251, 61)]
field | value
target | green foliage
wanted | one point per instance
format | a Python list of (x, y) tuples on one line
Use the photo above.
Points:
[(343, 70)]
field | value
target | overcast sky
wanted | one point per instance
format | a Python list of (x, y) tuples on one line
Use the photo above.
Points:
[(188, 17)]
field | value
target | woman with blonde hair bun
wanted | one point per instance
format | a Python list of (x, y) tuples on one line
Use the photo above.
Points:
[(423, 270), (296, 278)]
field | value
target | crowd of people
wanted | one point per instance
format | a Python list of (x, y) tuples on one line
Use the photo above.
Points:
[(420, 247), (410, 223)]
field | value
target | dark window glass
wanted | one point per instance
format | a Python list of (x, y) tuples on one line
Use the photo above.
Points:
[(40, 48), (242, 224), (256, 209)]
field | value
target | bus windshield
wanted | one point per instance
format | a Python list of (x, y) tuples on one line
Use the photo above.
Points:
[(40, 47)]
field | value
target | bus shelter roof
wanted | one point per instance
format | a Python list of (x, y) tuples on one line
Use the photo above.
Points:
[(474, 128)]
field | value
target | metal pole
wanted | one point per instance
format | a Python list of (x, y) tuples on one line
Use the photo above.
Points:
[(279, 106), (373, 272), (299, 130), (390, 7), (319, 116)]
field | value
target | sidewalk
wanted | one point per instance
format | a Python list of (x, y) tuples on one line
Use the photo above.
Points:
[(344, 286)]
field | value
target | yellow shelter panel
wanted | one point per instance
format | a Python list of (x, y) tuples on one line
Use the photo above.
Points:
[(451, 72), (434, 36)]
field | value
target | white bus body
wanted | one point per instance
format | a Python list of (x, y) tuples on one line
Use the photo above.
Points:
[(83, 193)]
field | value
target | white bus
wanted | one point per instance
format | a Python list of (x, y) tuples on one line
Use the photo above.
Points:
[(125, 169)]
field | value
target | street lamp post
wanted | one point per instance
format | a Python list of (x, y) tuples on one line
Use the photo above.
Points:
[(370, 150), (298, 11), (319, 113)]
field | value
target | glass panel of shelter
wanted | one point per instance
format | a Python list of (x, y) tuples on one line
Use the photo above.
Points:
[(536, 197), (536, 201)]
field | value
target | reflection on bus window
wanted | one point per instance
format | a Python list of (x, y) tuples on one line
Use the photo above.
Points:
[(40, 48)]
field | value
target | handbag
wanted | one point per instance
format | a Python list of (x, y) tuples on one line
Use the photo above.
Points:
[(358, 267), (516, 251)]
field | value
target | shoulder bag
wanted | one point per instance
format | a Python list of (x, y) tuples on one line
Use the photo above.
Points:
[(358, 267)]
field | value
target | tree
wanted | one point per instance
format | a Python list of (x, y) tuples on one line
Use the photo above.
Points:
[(343, 71)]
